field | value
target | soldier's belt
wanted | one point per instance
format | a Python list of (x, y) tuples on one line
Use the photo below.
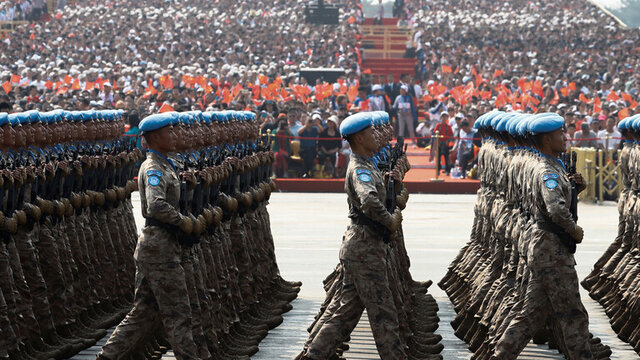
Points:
[(361, 219), (183, 239), (566, 239)]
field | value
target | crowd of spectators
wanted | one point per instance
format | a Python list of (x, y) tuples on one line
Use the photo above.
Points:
[(472, 56), (28, 10)]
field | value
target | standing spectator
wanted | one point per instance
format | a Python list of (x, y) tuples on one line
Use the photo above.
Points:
[(398, 8), (391, 91), (595, 123), (585, 133), (571, 133), (446, 132), (392, 88), (282, 149), (378, 19), (134, 132), (406, 110), (328, 149), (308, 145), (294, 123), (464, 146), (361, 102), (267, 122), (377, 102), (612, 132)]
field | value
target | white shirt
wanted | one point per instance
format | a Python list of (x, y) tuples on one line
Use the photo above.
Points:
[(418, 90), (613, 143)]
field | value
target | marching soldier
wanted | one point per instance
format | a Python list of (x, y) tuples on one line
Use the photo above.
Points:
[(523, 194), (161, 292), (614, 280), (68, 228)]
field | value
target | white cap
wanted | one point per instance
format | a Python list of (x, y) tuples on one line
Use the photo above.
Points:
[(316, 116), (376, 87)]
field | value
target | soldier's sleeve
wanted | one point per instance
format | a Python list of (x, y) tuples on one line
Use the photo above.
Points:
[(365, 190), (155, 183), (554, 200)]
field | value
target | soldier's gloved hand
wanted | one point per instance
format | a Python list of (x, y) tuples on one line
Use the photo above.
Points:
[(401, 201), (396, 221), (77, 168), (197, 226), (33, 211), (46, 206), (578, 235), (186, 225), (11, 225), (217, 215), (202, 223), (208, 216), (99, 198), (20, 216), (59, 207), (121, 193), (111, 195)]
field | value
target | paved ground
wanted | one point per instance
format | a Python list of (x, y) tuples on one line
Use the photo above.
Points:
[(308, 230)]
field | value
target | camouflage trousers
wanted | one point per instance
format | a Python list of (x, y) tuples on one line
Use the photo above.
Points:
[(551, 294), (365, 286), (161, 298)]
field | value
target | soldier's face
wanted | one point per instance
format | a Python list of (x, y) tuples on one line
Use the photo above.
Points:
[(33, 133), (20, 138), (40, 136), (368, 140), (9, 135), (558, 140), (179, 133)]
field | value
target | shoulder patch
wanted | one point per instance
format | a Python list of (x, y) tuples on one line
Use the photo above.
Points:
[(157, 173), (153, 180), (551, 184), (549, 176), (364, 177), (363, 171)]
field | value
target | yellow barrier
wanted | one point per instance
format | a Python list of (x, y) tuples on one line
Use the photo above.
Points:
[(601, 173), (585, 164)]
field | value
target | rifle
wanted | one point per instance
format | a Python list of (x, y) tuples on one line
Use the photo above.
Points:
[(396, 153), (390, 201), (571, 160)]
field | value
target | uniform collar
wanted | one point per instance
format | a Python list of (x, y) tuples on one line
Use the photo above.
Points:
[(169, 161), (558, 161)]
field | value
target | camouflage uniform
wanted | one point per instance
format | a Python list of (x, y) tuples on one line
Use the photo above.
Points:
[(365, 282), (161, 294), (552, 291)]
